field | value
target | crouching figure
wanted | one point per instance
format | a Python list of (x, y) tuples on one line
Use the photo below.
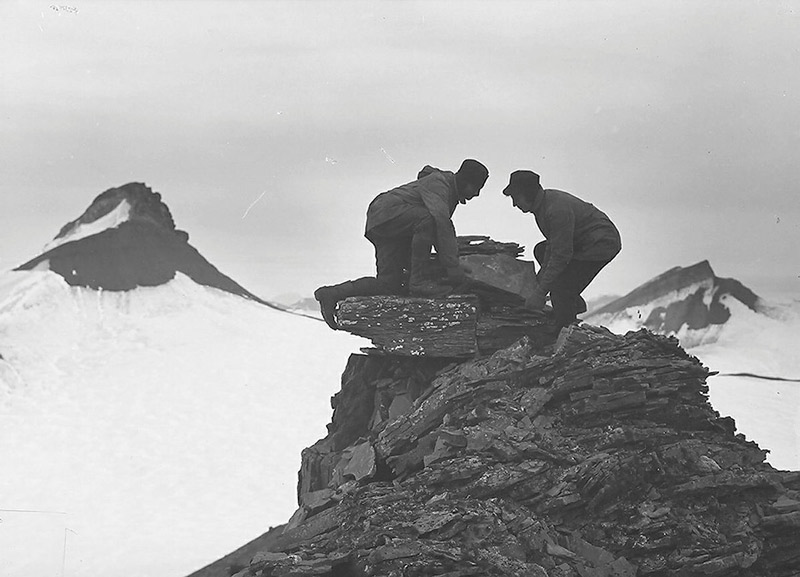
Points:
[(403, 224), (579, 241)]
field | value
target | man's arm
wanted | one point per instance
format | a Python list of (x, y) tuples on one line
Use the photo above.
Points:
[(435, 196), (559, 246)]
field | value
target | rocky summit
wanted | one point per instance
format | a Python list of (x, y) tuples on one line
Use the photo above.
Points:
[(598, 455)]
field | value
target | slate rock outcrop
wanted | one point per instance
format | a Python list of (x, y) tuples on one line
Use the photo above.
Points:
[(485, 314), (598, 455)]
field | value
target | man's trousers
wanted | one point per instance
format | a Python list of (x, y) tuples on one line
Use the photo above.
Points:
[(565, 293)]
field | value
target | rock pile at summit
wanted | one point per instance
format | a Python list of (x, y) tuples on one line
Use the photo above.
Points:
[(486, 315), (596, 456)]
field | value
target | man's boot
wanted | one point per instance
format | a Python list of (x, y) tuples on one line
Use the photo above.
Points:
[(328, 296), (422, 285), (421, 282)]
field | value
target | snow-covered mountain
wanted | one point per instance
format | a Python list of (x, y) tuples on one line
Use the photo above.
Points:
[(127, 239), (148, 403), (691, 303)]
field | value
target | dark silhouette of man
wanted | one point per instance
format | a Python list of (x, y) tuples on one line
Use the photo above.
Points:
[(403, 224), (579, 241)]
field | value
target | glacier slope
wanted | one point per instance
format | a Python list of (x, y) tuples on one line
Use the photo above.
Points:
[(766, 411)]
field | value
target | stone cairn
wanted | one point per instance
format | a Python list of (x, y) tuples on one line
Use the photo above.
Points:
[(482, 317), (598, 455)]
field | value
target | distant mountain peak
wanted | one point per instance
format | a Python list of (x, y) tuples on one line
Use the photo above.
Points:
[(681, 298), (127, 238), (134, 201), (673, 279)]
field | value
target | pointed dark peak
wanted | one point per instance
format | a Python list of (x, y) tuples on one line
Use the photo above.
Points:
[(674, 279), (134, 201), (126, 239), (692, 296)]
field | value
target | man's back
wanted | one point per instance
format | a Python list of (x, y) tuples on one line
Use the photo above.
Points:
[(594, 236), (435, 191)]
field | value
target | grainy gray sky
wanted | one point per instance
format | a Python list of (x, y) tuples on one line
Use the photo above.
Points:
[(269, 126)]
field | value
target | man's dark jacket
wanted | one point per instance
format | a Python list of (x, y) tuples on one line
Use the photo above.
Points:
[(434, 190), (575, 230)]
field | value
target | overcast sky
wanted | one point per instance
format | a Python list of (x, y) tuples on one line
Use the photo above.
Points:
[(269, 126)]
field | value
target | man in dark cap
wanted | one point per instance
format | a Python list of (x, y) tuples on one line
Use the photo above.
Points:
[(403, 224), (580, 241)]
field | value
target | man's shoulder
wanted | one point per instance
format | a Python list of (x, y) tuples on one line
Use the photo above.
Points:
[(561, 200), (436, 174), (440, 184), (559, 195), (556, 201), (427, 170), (437, 180)]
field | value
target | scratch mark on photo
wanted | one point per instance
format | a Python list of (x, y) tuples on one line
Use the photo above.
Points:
[(386, 154), (253, 204)]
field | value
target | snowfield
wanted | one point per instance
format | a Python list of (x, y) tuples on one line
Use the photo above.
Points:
[(149, 432), (766, 411)]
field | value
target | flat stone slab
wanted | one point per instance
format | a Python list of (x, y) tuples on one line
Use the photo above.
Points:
[(444, 327), (502, 273)]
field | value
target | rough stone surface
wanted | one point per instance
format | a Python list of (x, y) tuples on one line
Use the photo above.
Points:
[(482, 316), (444, 327), (602, 459), (507, 277)]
